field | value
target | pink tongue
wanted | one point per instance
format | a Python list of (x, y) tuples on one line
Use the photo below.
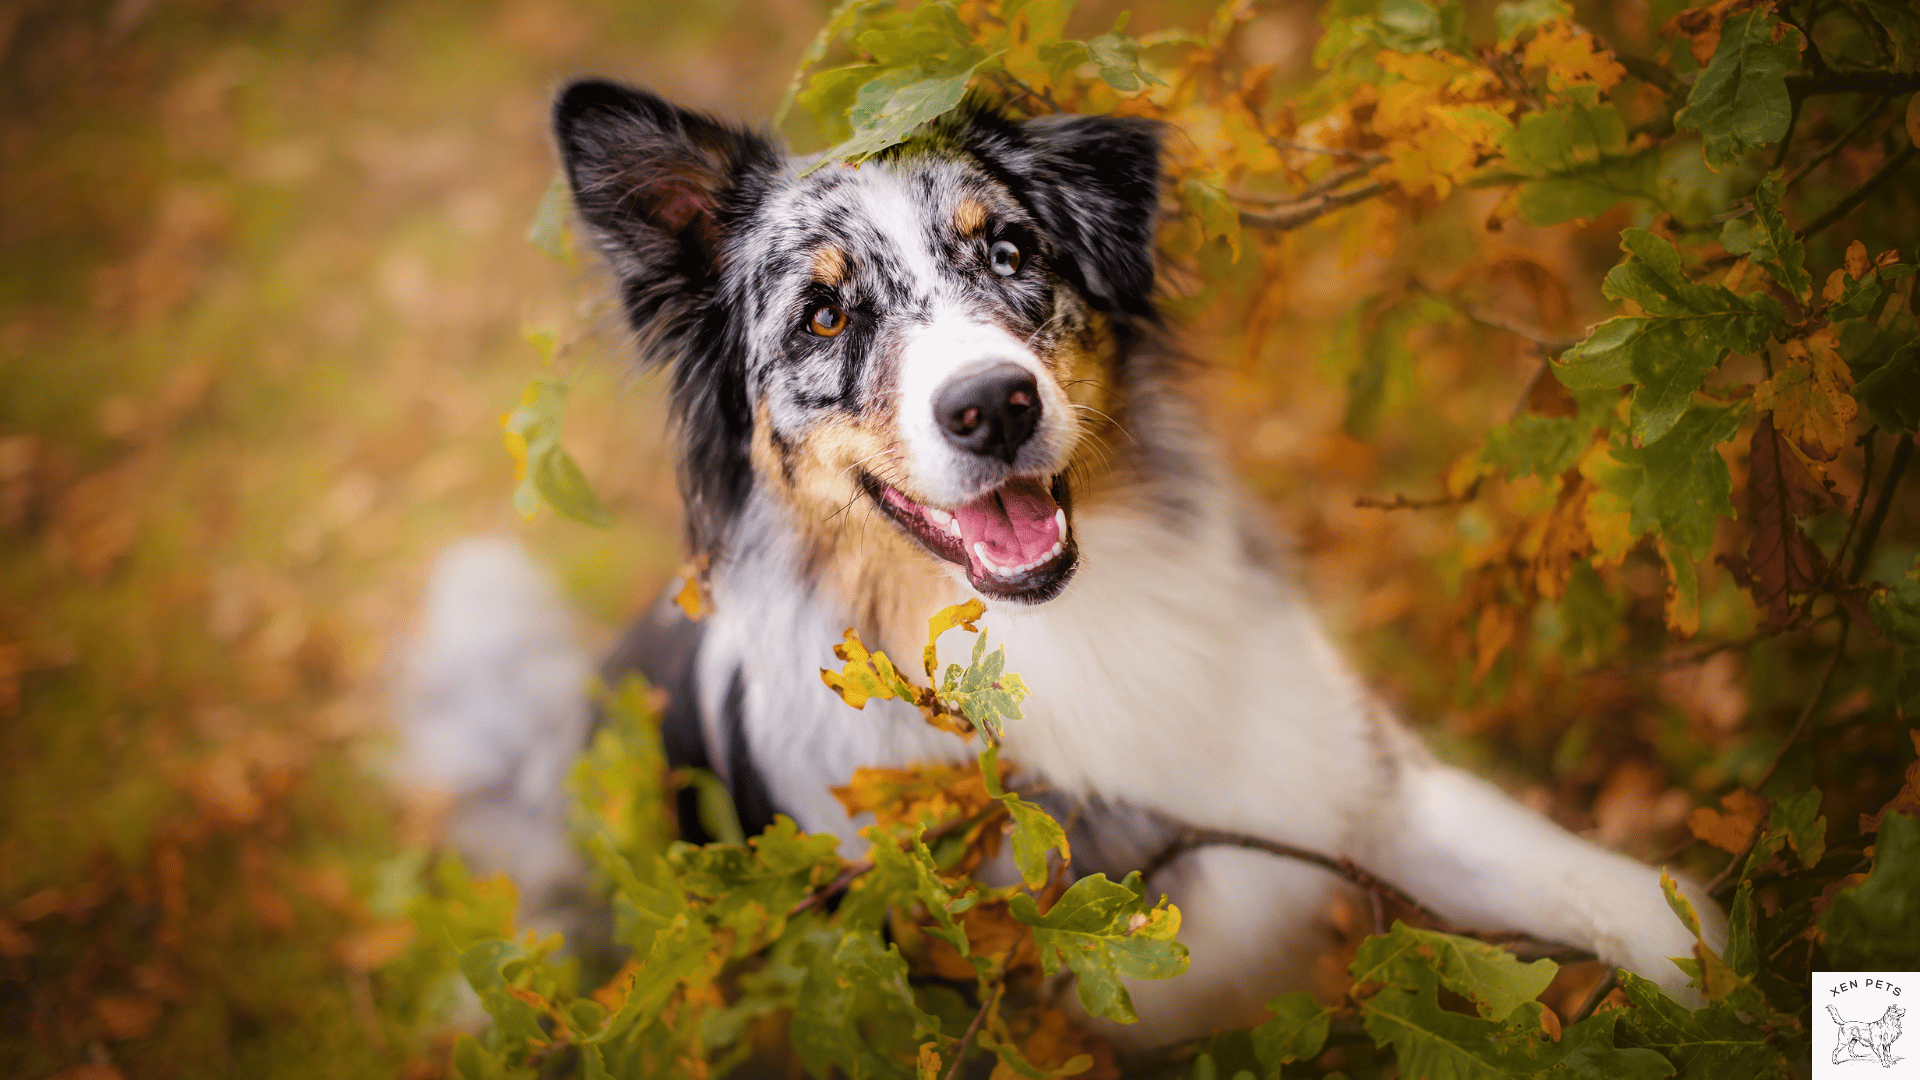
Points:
[(1017, 523)]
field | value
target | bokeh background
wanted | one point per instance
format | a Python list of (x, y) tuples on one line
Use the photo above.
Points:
[(265, 281)]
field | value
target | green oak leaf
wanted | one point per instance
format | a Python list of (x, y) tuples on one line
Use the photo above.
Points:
[(1679, 485), (1494, 979), (1545, 446), (1103, 930), (1702, 1044), (1887, 382), (1297, 1031), (855, 1010), (1770, 241), (1870, 927), (547, 472), (1518, 16), (1896, 611), (1034, 831), (1688, 329), (1901, 21), (1797, 817), (985, 691), (751, 887), (1740, 101)]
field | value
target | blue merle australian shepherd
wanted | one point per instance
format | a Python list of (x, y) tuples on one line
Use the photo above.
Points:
[(938, 376)]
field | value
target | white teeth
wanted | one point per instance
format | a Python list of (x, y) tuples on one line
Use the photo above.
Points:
[(953, 527), (938, 517), (1060, 524), (1010, 572)]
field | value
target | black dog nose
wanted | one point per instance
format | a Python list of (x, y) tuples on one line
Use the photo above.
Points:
[(991, 412)]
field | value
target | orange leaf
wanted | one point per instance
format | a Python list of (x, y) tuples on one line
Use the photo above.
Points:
[(1732, 830)]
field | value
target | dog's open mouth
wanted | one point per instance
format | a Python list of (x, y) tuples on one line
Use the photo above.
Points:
[(1015, 541)]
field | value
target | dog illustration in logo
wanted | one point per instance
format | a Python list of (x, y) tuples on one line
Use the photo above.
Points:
[(1859, 1039)]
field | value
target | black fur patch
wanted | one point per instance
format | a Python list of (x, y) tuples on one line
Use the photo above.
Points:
[(660, 187)]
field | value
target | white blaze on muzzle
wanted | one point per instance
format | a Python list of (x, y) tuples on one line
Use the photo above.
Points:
[(954, 346)]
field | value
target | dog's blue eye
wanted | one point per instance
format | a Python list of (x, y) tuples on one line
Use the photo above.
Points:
[(1004, 257)]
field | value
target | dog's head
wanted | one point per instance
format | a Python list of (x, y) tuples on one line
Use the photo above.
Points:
[(923, 344)]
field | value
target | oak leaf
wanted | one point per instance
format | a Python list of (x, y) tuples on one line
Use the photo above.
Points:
[(1730, 829), (1808, 395)]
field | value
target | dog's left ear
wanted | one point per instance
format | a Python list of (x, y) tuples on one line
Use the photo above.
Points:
[(1094, 184)]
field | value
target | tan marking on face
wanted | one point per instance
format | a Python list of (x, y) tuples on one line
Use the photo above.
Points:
[(969, 217), (829, 265)]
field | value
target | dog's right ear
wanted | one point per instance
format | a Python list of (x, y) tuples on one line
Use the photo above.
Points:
[(654, 182)]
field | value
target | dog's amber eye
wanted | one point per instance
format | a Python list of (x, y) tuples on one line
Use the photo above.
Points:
[(827, 321), (1005, 257)]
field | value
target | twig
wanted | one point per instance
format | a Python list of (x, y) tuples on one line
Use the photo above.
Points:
[(979, 1018), (1846, 206), (1401, 502), (1814, 162), (1793, 118), (1194, 839), (1597, 995), (1013, 82), (1853, 519), (1806, 714), (1647, 71), (1536, 335), (1329, 151), (854, 870), (1889, 83), (1901, 452), (1858, 126), (1294, 215)]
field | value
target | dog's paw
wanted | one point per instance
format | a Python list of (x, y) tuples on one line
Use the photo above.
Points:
[(1651, 936)]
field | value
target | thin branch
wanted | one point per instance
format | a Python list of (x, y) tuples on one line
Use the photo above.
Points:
[(1329, 151), (854, 870), (1194, 839), (980, 1018), (1901, 453), (1647, 71), (1786, 141), (1806, 714), (1846, 206), (1487, 317), (1597, 995), (1294, 215), (1335, 180), (1814, 162), (1818, 159), (1888, 83), (1401, 502)]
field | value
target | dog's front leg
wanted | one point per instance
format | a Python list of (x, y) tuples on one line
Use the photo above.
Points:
[(1480, 859)]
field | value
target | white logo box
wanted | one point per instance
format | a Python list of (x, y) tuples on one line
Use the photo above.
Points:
[(1863, 1025)]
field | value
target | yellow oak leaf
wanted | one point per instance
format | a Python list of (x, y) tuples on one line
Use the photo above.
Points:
[(1570, 56), (921, 795), (867, 675), (961, 615), (1808, 396)]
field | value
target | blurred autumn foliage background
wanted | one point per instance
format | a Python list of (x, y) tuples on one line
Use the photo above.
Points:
[(264, 289)]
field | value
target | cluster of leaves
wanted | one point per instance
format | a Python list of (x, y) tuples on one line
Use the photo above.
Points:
[(1717, 435), (888, 965)]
